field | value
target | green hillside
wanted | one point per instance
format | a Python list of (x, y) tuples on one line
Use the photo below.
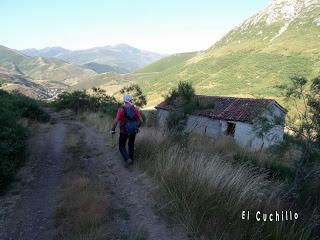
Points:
[(38, 68), (251, 60), (104, 68), (100, 80), (167, 62)]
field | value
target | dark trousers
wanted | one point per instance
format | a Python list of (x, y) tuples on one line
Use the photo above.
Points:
[(122, 145)]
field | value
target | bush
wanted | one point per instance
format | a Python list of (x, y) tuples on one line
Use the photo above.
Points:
[(137, 96), (185, 101), (80, 101), (12, 134)]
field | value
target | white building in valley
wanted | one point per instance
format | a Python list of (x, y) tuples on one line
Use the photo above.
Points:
[(239, 118)]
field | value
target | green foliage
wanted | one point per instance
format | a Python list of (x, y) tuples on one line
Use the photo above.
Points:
[(180, 97), (305, 124), (79, 101), (184, 100), (184, 92), (136, 93), (12, 134), (308, 125)]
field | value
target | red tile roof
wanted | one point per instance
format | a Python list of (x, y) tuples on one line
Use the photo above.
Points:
[(229, 108)]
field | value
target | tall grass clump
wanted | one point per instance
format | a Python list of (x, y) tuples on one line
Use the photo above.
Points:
[(207, 193), (13, 134)]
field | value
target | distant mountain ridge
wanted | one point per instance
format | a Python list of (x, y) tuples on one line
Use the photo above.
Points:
[(120, 57), (49, 52), (253, 59), (38, 76)]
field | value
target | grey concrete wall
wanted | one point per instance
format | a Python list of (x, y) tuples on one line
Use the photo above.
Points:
[(204, 125), (245, 134), (162, 117)]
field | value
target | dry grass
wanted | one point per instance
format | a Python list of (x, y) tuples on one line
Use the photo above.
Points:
[(99, 121), (83, 207), (206, 190)]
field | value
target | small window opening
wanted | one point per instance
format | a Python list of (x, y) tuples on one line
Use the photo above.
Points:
[(231, 129)]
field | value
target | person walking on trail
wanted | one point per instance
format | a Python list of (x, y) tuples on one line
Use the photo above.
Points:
[(130, 120)]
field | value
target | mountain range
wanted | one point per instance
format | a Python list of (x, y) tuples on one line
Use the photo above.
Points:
[(120, 58), (254, 58), (251, 60), (38, 76), (46, 72)]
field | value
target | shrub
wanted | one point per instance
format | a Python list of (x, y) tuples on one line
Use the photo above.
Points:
[(80, 101), (12, 145), (12, 134), (184, 100), (184, 91), (137, 96)]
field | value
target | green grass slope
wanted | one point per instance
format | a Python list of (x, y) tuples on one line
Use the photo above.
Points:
[(167, 62), (251, 60)]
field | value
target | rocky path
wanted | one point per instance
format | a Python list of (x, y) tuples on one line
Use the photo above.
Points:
[(29, 214)]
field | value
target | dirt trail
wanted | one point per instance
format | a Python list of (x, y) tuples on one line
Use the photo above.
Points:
[(134, 216), (29, 214), (131, 193)]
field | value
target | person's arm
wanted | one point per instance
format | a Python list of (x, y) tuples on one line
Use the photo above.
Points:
[(115, 121), (114, 125)]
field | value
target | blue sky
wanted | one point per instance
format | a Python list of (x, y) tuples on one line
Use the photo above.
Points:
[(163, 26)]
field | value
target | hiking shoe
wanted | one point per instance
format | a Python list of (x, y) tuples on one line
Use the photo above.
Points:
[(130, 161), (125, 164)]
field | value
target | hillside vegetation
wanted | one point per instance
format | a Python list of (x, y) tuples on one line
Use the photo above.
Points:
[(167, 62), (13, 134)]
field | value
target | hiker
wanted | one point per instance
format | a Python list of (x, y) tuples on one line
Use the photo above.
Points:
[(130, 120)]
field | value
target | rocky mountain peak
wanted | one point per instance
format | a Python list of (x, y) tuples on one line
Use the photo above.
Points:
[(282, 10)]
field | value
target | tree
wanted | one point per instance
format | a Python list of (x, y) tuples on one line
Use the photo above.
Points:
[(186, 102), (305, 124), (135, 91), (267, 121)]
